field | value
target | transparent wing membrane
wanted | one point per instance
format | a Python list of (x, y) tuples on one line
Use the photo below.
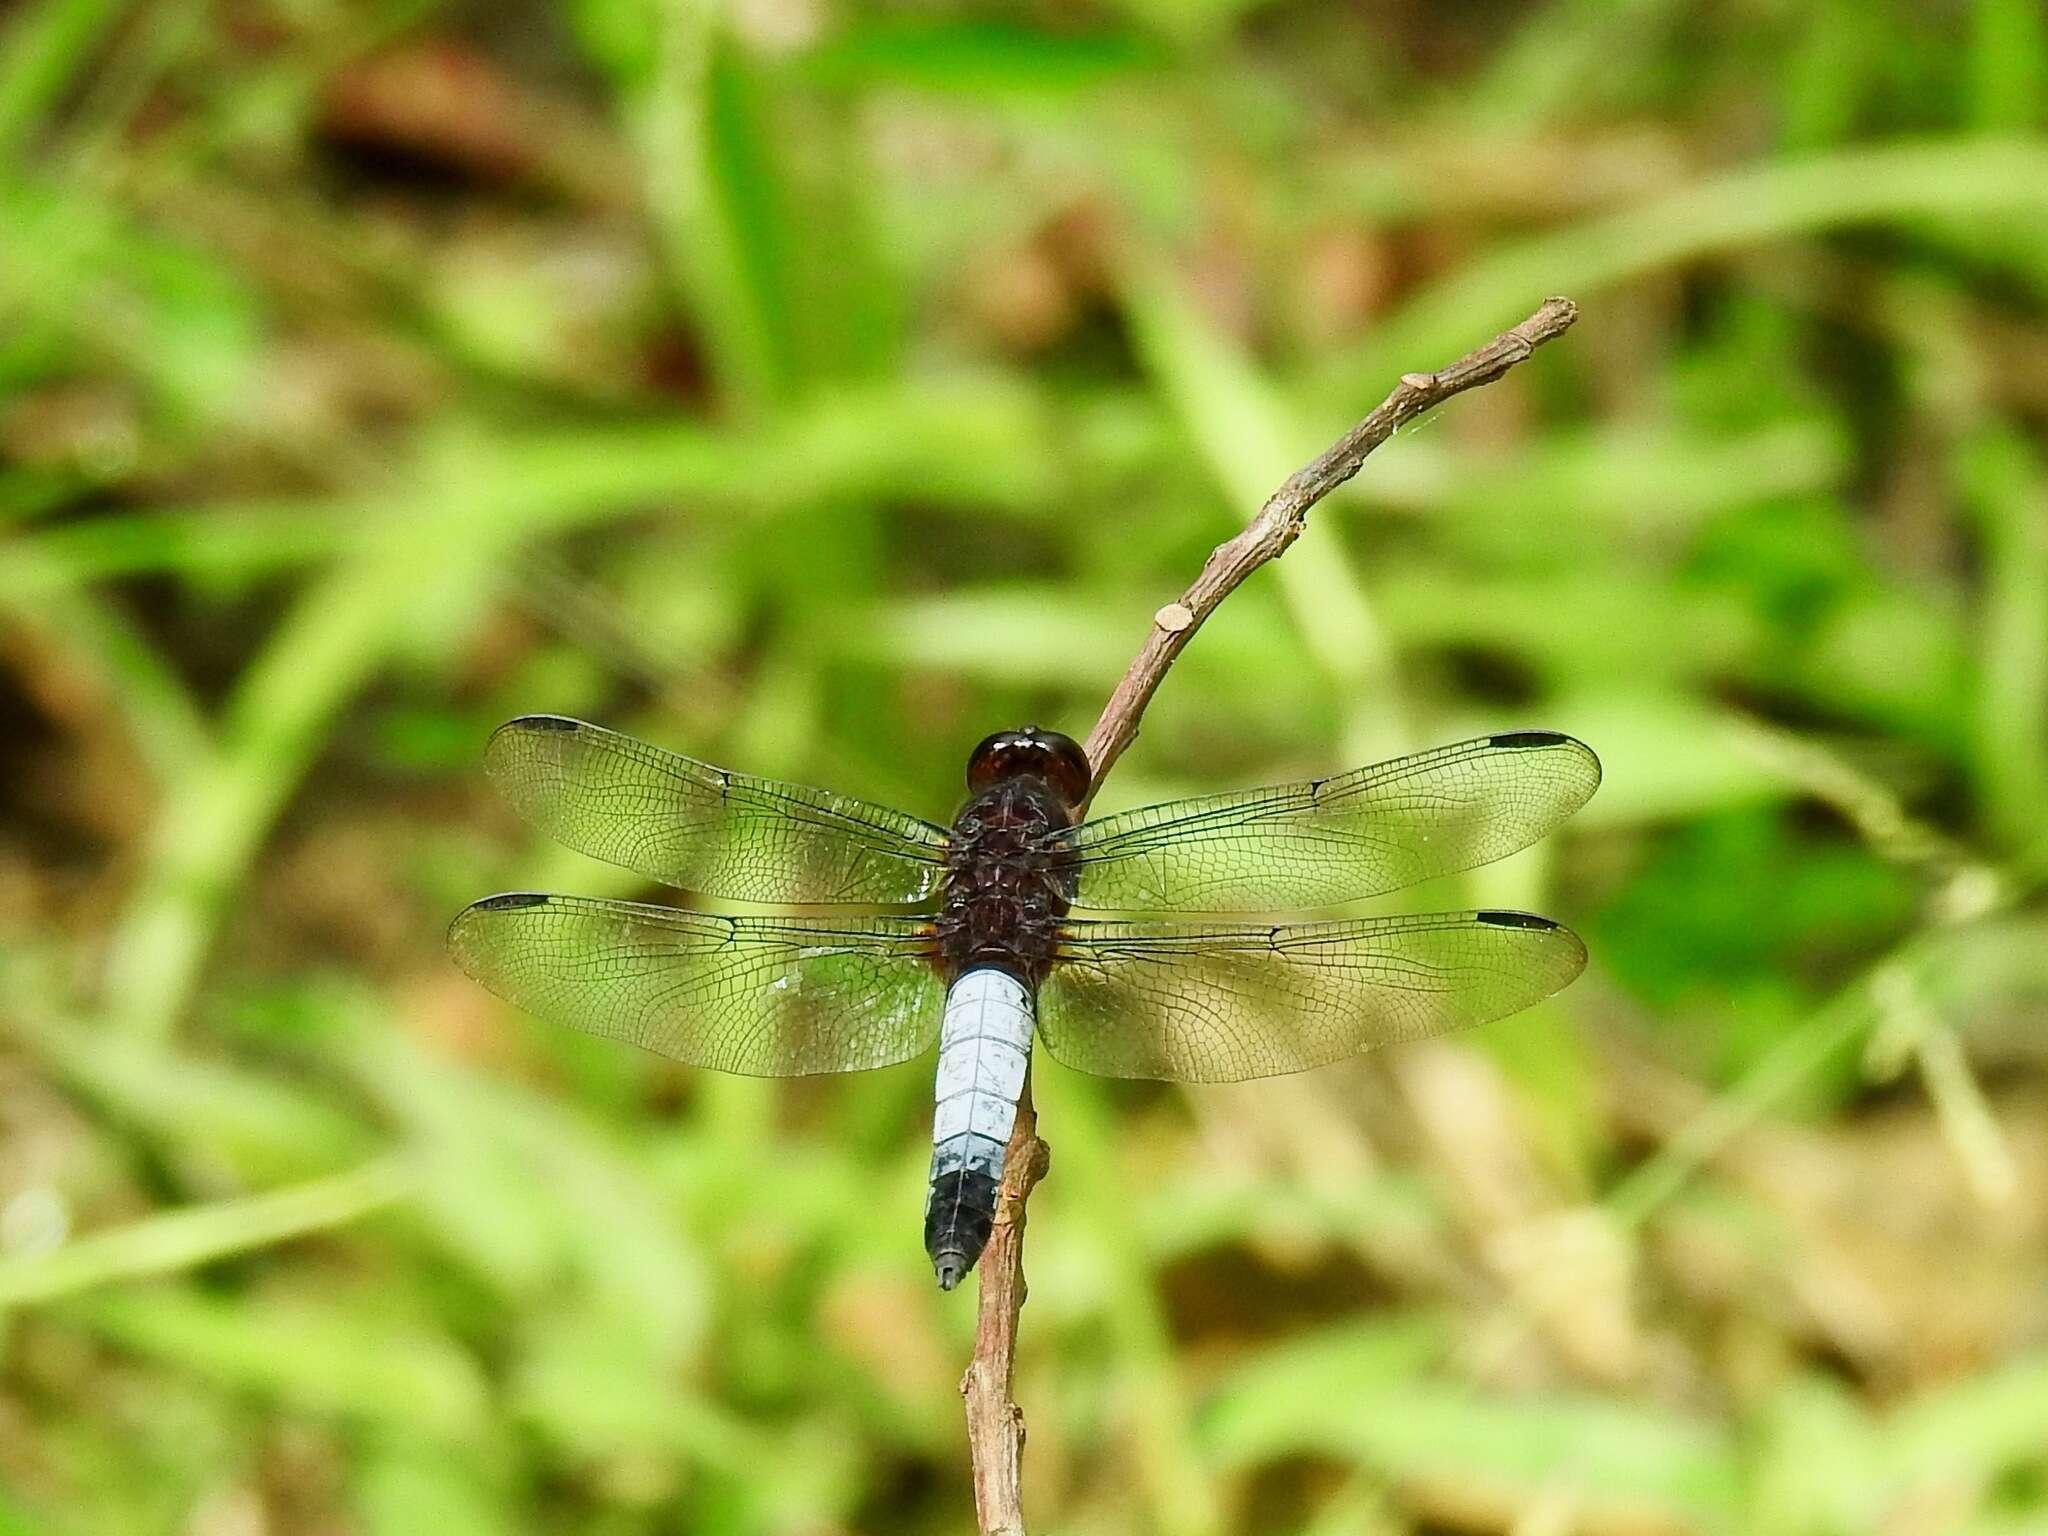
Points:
[(1321, 841), (1196, 1002), (765, 997), (1209, 1004), (702, 829)]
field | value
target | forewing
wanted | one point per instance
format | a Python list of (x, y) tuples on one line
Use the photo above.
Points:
[(761, 996), (702, 829), (1208, 1004), (1322, 841)]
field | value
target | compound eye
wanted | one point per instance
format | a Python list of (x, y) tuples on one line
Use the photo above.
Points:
[(1048, 755), (990, 760), (1071, 775)]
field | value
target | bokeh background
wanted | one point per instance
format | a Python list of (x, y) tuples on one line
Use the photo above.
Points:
[(816, 385)]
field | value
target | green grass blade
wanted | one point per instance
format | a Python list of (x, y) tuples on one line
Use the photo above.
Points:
[(2005, 484), (1754, 205), (42, 51), (186, 1239)]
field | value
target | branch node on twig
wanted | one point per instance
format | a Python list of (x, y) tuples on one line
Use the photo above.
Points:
[(995, 1424)]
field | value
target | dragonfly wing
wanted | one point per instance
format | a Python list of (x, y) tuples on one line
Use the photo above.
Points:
[(1321, 841), (1209, 1004), (765, 997), (700, 828)]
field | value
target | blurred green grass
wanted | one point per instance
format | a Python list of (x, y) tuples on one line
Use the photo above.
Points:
[(817, 389)]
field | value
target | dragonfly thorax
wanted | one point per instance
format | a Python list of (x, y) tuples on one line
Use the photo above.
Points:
[(1005, 888)]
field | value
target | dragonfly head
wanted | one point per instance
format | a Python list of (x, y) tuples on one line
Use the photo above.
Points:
[(1047, 755)]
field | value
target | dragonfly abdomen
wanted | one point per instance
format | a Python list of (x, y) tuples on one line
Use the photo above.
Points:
[(984, 1048)]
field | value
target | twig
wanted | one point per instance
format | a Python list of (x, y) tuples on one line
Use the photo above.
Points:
[(1285, 514), (995, 1424)]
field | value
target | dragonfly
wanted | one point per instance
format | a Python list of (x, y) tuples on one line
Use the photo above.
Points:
[(982, 955)]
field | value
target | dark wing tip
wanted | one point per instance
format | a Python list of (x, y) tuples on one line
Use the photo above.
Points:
[(462, 932), (514, 745), (515, 740), (510, 901), (1555, 955), (1519, 740), (1498, 918)]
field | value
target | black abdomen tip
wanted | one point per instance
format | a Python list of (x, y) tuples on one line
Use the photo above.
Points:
[(1528, 739), (957, 1223)]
